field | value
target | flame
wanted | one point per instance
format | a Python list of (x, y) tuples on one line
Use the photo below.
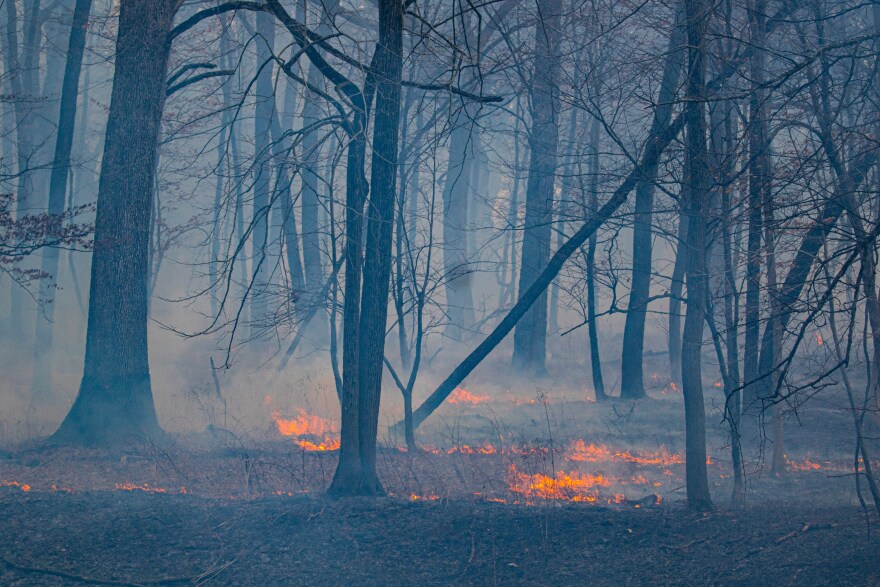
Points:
[(463, 396), (819, 340), (23, 486), (595, 453), (805, 465), (484, 449), (415, 497), (572, 486), (145, 487), (319, 431)]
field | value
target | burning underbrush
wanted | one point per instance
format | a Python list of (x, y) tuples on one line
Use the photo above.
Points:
[(467, 452)]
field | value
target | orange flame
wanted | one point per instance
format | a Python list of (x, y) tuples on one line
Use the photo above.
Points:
[(593, 453), (484, 449), (572, 486), (805, 465), (319, 431), (23, 486), (463, 396), (145, 487)]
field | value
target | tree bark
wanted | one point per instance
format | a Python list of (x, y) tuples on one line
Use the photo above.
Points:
[(115, 400)]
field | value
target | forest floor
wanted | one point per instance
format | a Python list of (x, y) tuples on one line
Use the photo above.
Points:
[(140, 538), (549, 489)]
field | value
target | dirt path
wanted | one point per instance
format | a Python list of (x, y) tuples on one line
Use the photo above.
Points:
[(138, 538)]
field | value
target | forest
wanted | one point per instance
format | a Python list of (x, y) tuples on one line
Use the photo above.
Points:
[(451, 292)]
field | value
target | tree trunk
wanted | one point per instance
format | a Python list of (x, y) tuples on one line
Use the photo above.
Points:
[(377, 263), (456, 200), (758, 174), (310, 231), (264, 110), (592, 327), (695, 191), (632, 382), (676, 290), (530, 335), (42, 381), (115, 400)]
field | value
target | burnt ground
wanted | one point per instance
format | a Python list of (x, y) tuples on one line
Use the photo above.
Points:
[(148, 539)]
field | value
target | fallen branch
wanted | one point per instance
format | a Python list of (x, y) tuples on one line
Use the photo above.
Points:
[(84, 579)]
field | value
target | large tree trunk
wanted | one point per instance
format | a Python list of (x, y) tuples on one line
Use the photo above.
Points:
[(530, 336), (377, 263), (115, 400), (632, 383), (42, 380), (696, 193)]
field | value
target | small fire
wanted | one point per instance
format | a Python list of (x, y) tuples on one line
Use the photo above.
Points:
[(145, 487), (572, 486), (805, 465), (463, 396), (819, 340), (318, 432), (484, 449), (595, 453), (23, 486), (415, 497)]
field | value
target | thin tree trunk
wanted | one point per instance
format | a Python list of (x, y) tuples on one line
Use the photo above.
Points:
[(530, 335), (632, 382), (264, 110), (42, 380), (676, 290), (696, 193), (592, 327)]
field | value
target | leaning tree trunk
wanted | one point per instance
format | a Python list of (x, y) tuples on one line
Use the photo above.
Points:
[(653, 148), (115, 400), (695, 190), (530, 335), (42, 382), (632, 382)]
